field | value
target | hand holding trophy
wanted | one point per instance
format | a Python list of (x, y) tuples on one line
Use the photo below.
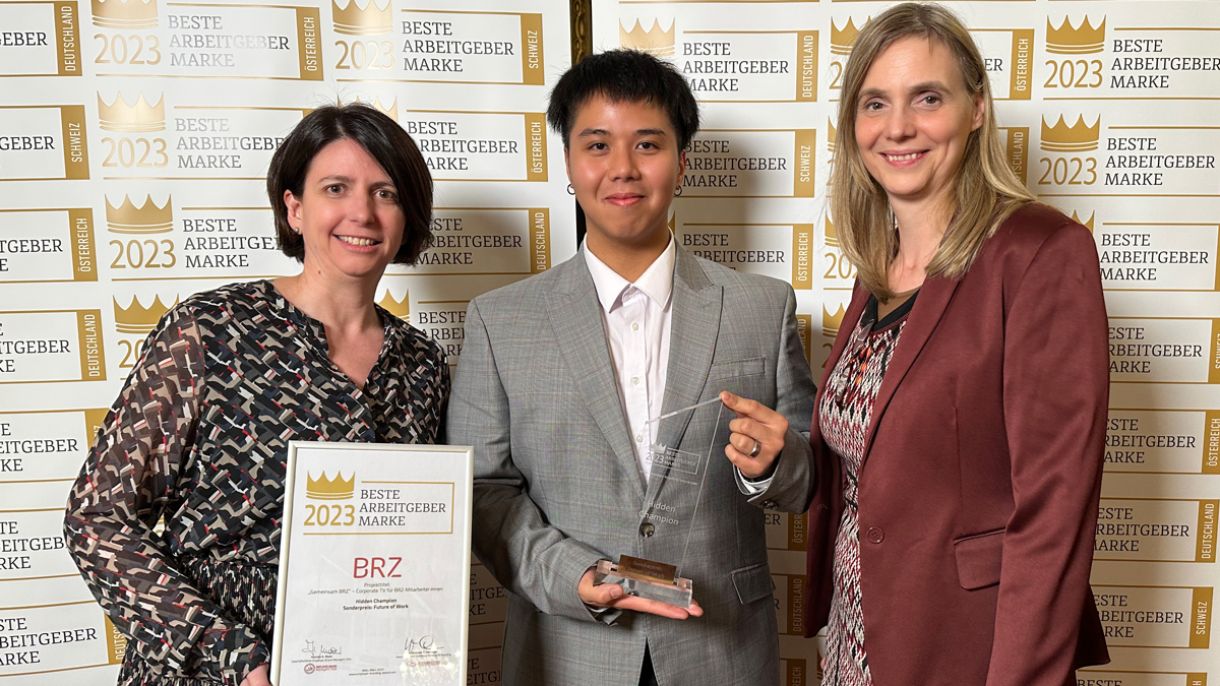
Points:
[(679, 475)]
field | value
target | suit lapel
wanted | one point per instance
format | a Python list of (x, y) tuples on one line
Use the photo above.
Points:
[(930, 305), (576, 317), (695, 326)]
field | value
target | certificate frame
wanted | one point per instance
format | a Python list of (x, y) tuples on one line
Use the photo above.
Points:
[(375, 555)]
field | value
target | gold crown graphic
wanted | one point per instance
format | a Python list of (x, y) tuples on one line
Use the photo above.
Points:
[(148, 218), (124, 14), (325, 488), (353, 21), (1078, 137), (842, 39), (831, 321), (832, 236), (390, 110), (137, 319), (1086, 223), (138, 118), (396, 307), (1066, 40), (655, 41)]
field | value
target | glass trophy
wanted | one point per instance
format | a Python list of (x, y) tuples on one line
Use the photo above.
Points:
[(671, 508)]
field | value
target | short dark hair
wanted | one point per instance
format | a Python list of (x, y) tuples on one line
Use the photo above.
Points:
[(624, 76), (384, 140)]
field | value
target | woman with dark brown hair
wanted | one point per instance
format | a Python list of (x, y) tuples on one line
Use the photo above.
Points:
[(198, 436)]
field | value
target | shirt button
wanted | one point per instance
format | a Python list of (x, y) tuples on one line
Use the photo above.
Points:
[(635, 326), (875, 534), (647, 529), (639, 438), (635, 381)]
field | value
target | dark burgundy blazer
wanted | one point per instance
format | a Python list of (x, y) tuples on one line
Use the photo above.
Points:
[(982, 470)]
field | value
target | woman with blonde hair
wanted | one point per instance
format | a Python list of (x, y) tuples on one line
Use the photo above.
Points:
[(959, 425)]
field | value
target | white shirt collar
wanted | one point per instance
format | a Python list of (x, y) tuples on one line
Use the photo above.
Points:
[(657, 282)]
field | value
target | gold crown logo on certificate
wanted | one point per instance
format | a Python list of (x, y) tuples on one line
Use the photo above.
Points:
[(1066, 40), (1086, 223), (124, 14), (842, 39), (1078, 137), (138, 118), (655, 41), (370, 21), (831, 321), (398, 308), (147, 218), (138, 319), (325, 488)]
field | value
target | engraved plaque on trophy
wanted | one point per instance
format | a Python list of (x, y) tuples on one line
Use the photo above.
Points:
[(670, 512)]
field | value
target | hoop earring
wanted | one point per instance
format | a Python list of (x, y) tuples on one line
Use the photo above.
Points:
[(677, 191), (571, 191)]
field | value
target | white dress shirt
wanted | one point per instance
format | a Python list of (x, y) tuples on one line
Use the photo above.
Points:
[(637, 318)]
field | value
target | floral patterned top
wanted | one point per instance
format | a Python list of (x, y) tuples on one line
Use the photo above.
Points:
[(198, 439)]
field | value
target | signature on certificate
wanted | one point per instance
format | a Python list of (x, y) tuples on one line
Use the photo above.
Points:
[(318, 651), (422, 644)]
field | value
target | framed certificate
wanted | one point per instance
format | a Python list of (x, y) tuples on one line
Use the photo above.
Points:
[(374, 578)]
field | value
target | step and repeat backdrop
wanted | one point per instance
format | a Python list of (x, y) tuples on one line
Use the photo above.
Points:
[(134, 140), (1110, 112), (134, 137)]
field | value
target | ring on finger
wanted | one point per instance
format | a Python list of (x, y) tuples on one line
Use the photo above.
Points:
[(756, 449)]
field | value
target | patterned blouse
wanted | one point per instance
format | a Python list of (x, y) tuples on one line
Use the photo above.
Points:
[(198, 438), (844, 414)]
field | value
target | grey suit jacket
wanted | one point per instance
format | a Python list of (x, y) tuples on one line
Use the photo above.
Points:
[(557, 485)]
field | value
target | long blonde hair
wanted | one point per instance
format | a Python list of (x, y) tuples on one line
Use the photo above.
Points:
[(986, 190)]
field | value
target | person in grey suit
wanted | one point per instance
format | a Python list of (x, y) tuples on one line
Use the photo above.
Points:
[(560, 378)]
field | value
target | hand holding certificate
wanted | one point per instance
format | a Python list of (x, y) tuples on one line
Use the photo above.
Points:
[(374, 566)]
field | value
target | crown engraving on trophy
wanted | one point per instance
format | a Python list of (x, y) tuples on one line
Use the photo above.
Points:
[(1068, 40), (1086, 223), (147, 218), (831, 321), (138, 319), (655, 41), (370, 21), (398, 308), (138, 118), (1078, 137), (842, 39), (124, 14), (325, 488)]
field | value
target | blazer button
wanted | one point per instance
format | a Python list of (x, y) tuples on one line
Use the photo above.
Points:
[(874, 534), (647, 529)]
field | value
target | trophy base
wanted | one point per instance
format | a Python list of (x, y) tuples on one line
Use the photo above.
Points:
[(646, 579)]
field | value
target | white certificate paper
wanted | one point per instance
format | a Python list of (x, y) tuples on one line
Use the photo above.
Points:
[(374, 578)]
